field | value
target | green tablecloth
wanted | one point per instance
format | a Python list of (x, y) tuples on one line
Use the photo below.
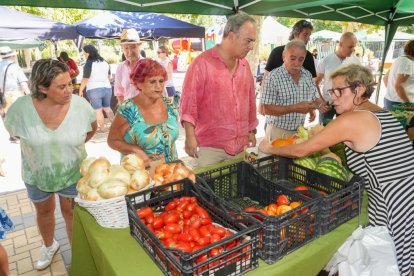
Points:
[(101, 251)]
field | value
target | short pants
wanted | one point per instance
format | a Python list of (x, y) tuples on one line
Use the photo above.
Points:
[(100, 97), (38, 196)]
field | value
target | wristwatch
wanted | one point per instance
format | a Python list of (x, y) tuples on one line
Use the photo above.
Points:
[(254, 131)]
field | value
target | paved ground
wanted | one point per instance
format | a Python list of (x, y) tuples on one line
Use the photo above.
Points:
[(23, 245)]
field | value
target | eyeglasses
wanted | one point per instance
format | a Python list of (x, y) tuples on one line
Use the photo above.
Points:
[(160, 52), (338, 91), (306, 23)]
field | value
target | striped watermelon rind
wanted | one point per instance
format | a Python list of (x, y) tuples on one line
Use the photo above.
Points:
[(307, 162), (332, 168)]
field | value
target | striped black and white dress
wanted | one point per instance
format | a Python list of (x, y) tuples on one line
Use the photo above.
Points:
[(388, 169)]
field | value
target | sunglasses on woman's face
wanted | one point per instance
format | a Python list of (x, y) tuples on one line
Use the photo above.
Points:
[(160, 52)]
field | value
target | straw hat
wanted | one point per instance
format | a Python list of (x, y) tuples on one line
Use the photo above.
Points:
[(130, 36), (6, 52)]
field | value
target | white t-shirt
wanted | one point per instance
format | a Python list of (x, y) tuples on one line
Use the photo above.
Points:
[(329, 65), (165, 64), (97, 73), (404, 66)]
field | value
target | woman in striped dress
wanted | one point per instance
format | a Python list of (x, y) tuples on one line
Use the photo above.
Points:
[(377, 149)]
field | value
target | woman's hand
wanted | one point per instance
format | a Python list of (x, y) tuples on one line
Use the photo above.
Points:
[(265, 146)]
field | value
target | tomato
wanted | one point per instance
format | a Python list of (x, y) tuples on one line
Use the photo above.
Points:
[(219, 231), (250, 209), (301, 188), (194, 234), (271, 208), (158, 223), (195, 223), (171, 206), (169, 243), (181, 207), (202, 258), (171, 218), (143, 212), (185, 199), (185, 237), (215, 238), (193, 199), (201, 212), (204, 231), (206, 221), (150, 228), (282, 200), (160, 234), (173, 228), (187, 214), (304, 210), (196, 247), (149, 219), (203, 241), (191, 207)]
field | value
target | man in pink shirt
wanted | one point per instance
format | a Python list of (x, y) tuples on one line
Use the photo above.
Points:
[(218, 107), (130, 43)]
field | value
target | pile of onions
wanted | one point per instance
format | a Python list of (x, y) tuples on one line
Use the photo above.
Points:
[(166, 173), (101, 180)]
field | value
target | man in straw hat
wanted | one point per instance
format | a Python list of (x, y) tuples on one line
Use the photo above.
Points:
[(130, 44), (13, 81)]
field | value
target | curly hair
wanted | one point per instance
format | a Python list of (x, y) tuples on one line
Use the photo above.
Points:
[(44, 71), (147, 68), (409, 48), (355, 75), (298, 28)]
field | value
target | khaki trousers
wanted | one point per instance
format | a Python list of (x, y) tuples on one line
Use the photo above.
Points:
[(209, 156), (273, 132)]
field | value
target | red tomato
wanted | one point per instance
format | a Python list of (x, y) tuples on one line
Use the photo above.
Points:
[(203, 241), (191, 207), (185, 237), (157, 223), (206, 221), (160, 234), (171, 206), (215, 238), (173, 228), (193, 199), (195, 224), (204, 231), (185, 199), (143, 212), (187, 214), (181, 207), (201, 212), (194, 234), (171, 218), (250, 209), (149, 219), (282, 200), (301, 188), (219, 231)]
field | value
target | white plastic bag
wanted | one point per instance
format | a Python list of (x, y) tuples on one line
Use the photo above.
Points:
[(368, 251)]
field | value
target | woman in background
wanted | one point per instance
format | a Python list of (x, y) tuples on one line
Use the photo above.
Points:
[(147, 123), (96, 75), (163, 53)]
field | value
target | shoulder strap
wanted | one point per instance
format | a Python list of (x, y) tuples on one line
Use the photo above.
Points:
[(4, 80)]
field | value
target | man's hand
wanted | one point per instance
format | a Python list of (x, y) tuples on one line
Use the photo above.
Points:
[(265, 146), (191, 146), (304, 107), (252, 139), (312, 116)]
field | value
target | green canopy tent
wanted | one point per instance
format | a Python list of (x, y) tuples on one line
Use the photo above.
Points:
[(387, 13)]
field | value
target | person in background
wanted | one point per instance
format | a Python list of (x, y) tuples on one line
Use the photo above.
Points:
[(6, 225), (302, 30), (96, 75), (289, 93), (315, 57), (130, 44), (53, 126), (13, 81), (218, 106), (329, 64), (73, 67), (381, 154), (399, 80), (147, 123), (163, 54)]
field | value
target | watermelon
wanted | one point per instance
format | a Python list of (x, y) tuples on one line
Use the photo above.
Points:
[(331, 167), (307, 162)]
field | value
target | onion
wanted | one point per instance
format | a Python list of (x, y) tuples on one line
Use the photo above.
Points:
[(158, 178), (162, 169), (83, 185), (140, 179), (132, 162), (120, 173), (85, 165), (113, 188), (93, 195), (96, 178), (99, 165)]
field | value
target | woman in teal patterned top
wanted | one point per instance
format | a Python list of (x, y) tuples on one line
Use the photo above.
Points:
[(148, 123)]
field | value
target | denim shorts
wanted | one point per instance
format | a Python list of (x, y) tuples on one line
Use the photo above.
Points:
[(389, 104), (170, 91), (38, 196), (100, 97)]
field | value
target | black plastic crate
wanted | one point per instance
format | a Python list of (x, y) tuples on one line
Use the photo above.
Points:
[(343, 199), (236, 260), (242, 186)]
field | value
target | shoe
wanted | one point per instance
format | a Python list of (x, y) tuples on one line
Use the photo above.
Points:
[(46, 255)]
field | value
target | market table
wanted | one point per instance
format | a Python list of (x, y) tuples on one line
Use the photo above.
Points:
[(102, 251)]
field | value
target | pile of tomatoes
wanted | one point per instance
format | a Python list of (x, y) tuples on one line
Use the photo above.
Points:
[(281, 206), (186, 226)]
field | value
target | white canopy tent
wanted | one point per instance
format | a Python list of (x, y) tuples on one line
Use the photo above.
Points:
[(325, 35), (273, 32)]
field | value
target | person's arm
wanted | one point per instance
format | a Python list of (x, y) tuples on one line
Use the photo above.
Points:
[(91, 133), (385, 79), (191, 143), (87, 70), (399, 87), (25, 88), (116, 140), (119, 90), (277, 110), (318, 79), (170, 70), (83, 86)]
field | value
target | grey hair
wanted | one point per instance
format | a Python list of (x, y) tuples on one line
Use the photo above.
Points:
[(296, 43), (43, 73), (235, 22), (355, 75)]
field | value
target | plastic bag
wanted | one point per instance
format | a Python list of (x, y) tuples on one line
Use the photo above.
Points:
[(367, 252)]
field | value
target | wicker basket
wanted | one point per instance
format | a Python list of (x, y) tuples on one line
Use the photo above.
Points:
[(109, 213)]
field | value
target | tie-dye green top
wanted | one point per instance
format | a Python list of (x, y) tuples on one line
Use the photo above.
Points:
[(50, 158), (157, 140)]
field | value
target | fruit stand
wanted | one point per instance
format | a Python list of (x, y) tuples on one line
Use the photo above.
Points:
[(102, 251)]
